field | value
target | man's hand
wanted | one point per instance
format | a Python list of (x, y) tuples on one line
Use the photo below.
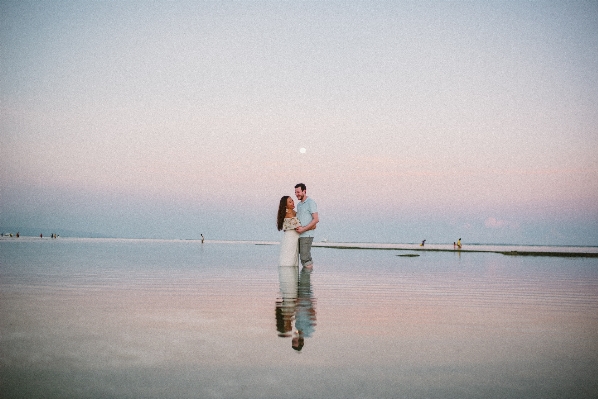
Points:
[(311, 225)]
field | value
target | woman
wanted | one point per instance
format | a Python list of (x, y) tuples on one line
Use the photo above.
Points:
[(288, 222)]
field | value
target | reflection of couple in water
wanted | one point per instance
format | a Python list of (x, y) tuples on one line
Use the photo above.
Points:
[(298, 236), (296, 304)]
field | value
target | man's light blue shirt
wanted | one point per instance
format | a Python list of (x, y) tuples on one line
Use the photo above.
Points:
[(304, 211)]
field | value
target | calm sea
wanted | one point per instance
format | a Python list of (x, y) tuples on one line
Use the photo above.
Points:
[(104, 318)]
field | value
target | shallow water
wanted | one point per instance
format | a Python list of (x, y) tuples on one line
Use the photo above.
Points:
[(92, 318)]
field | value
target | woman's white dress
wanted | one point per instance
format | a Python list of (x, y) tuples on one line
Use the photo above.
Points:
[(289, 247)]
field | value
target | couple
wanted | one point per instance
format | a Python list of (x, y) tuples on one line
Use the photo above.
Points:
[(298, 228)]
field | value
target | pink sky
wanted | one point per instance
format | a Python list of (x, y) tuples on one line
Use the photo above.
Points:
[(418, 121)]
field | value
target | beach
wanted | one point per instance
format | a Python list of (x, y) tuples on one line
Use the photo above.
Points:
[(90, 318)]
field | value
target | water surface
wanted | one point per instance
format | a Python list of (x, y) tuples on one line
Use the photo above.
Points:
[(92, 318)]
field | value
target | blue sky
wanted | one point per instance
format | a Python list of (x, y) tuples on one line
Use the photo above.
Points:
[(433, 120)]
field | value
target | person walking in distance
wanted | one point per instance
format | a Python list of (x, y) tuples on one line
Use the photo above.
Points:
[(307, 213)]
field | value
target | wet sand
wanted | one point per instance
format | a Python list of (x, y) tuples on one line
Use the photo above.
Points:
[(575, 252)]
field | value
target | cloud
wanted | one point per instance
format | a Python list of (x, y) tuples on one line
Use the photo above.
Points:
[(493, 223)]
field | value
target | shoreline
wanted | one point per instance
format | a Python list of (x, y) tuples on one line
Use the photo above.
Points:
[(508, 253), (514, 250)]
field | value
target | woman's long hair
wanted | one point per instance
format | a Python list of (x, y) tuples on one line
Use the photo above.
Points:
[(282, 210)]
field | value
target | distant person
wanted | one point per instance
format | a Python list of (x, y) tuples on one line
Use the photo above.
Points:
[(18, 234), (454, 245), (41, 235), (307, 213), (422, 244), (459, 243), (202, 238)]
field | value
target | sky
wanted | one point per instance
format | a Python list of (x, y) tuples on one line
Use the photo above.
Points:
[(420, 120)]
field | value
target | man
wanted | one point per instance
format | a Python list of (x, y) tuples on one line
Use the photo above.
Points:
[(307, 212)]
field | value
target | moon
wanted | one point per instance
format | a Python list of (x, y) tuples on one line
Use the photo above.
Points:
[(302, 150)]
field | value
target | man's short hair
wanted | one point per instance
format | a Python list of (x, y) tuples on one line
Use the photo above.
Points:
[(302, 186), (297, 343)]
